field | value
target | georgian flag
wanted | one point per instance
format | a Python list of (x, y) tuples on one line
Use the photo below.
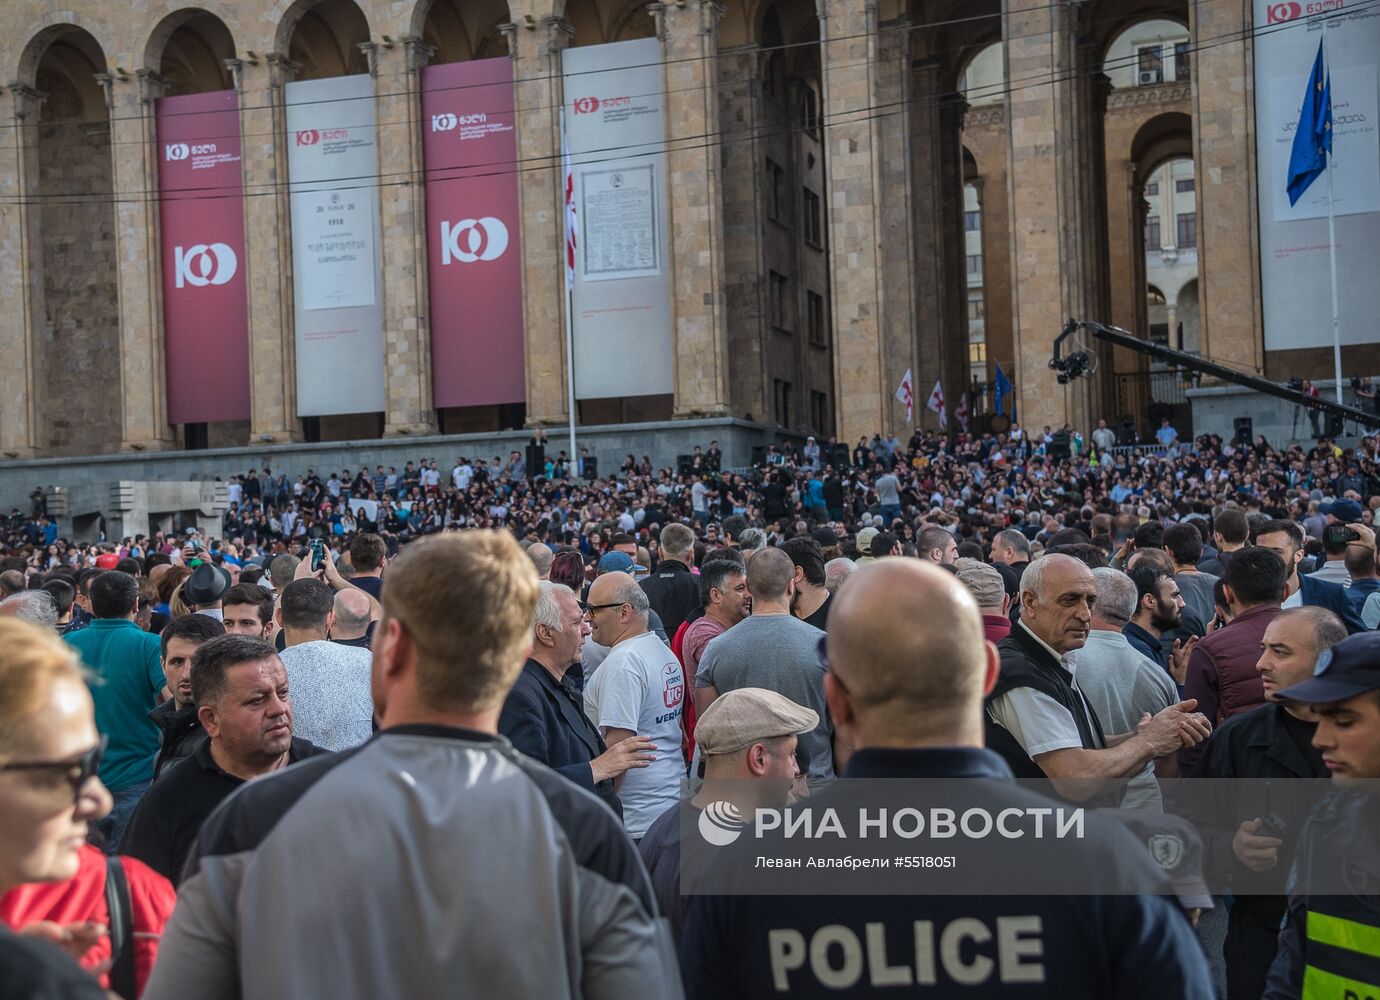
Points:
[(571, 222), (905, 393), (936, 403)]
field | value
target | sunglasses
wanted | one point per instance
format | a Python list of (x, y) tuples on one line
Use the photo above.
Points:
[(77, 771), (588, 609)]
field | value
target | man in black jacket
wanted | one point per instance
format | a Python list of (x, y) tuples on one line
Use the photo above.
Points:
[(179, 729), (672, 590), (1272, 741), (241, 691), (1039, 721), (541, 716)]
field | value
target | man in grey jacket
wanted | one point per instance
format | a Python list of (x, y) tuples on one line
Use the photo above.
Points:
[(434, 860)]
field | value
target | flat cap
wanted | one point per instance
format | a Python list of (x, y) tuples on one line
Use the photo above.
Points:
[(742, 717)]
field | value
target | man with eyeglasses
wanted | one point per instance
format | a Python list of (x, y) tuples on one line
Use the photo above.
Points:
[(638, 689)]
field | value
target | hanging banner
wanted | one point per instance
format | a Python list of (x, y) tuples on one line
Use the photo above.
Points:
[(338, 303), (616, 131), (1295, 276), (201, 211), (472, 222)]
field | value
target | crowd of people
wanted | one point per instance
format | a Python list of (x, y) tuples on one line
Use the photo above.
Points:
[(344, 748)]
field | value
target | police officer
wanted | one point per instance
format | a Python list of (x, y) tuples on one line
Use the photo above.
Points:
[(1330, 944), (1250, 834), (908, 671)]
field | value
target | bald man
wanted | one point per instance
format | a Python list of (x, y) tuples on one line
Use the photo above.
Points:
[(542, 557), (1040, 722), (352, 616), (772, 649), (908, 671)]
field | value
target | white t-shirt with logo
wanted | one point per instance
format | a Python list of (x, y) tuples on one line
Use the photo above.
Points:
[(640, 687)]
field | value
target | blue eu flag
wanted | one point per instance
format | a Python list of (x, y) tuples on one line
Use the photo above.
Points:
[(1313, 140), (1001, 386)]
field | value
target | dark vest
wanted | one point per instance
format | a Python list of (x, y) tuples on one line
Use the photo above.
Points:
[(1025, 663), (1342, 933)]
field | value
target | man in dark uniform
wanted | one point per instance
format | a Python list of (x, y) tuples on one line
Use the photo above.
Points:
[(1244, 834), (909, 667), (672, 590), (1330, 944)]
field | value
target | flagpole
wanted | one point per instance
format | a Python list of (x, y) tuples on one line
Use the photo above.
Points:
[(1332, 225), (569, 317)]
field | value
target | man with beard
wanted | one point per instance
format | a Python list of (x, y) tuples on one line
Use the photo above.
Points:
[(1159, 609)]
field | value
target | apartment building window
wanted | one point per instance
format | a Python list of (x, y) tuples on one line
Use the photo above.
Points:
[(976, 309), (1187, 230), (972, 222), (776, 192), (776, 299), (975, 263), (1153, 240), (781, 402), (1152, 189), (1181, 64), (814, 234), (819, 412), (814, 306), (1184, 185)]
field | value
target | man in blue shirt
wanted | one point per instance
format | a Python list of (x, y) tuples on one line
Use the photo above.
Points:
[(908, 671), (128, 669)]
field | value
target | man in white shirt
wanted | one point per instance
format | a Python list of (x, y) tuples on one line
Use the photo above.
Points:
[(462, 474), (1121, 684), (331, 701), (639, 690)]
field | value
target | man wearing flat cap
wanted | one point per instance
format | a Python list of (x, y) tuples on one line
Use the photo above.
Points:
[(746, 735)]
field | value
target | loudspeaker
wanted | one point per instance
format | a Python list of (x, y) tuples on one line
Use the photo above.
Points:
[(1126, 433), (536, 461), (685, 464), (591, 467), (1244, 430), (840, 456), (1059, 448), (759, 454), (1332, 425)]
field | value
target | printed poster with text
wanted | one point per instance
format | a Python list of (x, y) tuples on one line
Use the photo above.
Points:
[(616, 130), (1295, 278), (338, 305)]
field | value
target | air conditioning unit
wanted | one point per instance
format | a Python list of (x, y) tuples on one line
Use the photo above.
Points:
[(1149, 76)]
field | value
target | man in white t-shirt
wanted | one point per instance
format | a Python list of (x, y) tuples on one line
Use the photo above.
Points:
[(639, 690), (462, 474)]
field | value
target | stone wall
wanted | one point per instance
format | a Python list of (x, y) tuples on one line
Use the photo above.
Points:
[(79, 355)]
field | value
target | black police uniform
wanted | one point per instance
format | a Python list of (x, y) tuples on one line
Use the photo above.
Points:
[(1088, 946), (1264, 743)]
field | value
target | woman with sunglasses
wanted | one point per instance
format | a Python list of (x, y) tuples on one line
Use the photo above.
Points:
[(49, 797)]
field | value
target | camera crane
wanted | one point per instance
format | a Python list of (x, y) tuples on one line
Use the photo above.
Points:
[(1070, 366)]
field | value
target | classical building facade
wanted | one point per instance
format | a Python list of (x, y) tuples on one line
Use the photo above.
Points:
[(832, 165)]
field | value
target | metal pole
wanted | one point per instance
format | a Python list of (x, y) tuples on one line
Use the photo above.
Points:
[(1332, 231)]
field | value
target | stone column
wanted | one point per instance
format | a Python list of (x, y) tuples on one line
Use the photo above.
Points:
[(259, 84), (21, 287), (901, 324), (536, 48), (1053, 241), (740, 68), (1229, 319), (143, 391), (402, 211), (852, 160), (689, 33)]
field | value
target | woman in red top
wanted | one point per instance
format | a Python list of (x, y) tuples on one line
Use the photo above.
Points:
[(49, 796)]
